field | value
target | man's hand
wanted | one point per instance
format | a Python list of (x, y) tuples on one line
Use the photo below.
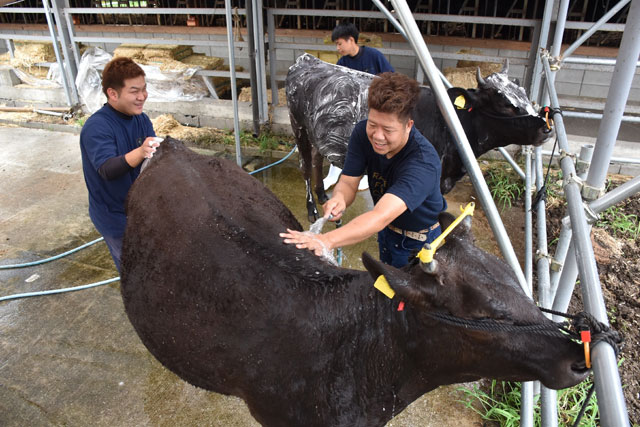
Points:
[(334, 208), (316, 243), (144, 151)]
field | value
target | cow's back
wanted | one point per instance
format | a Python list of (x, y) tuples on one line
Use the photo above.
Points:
[(204, 267)]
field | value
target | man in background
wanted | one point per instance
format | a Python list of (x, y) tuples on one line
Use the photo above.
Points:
[(361, 58)]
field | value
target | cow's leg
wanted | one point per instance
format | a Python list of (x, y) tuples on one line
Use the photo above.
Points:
[(317, 176), (306, 165)]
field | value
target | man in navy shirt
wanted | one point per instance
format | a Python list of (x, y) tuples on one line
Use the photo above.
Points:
[(404, 179), (361, 58), (114, 141)]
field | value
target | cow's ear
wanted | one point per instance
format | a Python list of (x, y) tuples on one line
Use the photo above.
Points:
[(397, 279), (463, 228), (462, 99)]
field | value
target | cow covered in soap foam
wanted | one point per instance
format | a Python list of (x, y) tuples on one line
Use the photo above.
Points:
[(218, 299), (326, 101)]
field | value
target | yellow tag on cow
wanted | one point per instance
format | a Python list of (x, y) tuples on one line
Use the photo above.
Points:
[(460, 102), (382, 285)]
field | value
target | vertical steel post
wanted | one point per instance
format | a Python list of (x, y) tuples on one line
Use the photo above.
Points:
[(617, 98), (534, 91), (56, 49), (258, 28), (528, 220), (251, 41), (232, 74), (69, 68), (548, 405), (271, 34)]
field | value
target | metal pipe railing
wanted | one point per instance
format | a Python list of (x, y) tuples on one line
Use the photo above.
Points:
[(595, 27), (234, 88), (607, 378)]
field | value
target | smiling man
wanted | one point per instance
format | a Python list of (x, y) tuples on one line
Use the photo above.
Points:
[(114, 141), (404, 179)]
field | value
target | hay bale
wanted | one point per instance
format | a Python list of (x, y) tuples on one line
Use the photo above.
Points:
[(466, 77), (130, 50), (166, 51), (245, 95), (30, 52), (463, 63), (203, 61), (464, 74)]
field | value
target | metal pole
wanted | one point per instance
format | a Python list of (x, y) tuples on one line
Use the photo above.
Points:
[(595, 116), (271, 33), (528, 221), (262, 57), (512, 162), (583, 38), (534, 92), (56, 50), (466, 153), (232, 73), (548, 406), (70, 68), (398, 27), (560, 23), (607, 379), (616, 99), (252, 69)]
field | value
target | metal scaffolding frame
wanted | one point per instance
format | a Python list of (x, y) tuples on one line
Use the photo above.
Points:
[(583, 185)]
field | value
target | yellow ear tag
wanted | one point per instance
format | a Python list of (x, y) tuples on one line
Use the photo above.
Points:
[(460, 102), (382, 285)]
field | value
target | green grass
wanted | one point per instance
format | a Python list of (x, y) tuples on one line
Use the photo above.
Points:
[(265, 141), (505, 185), (501, 403), (620, 224)]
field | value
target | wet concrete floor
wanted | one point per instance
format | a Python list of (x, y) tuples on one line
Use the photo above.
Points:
[(74, 359)]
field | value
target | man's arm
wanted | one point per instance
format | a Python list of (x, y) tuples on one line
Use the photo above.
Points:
[(145, 150), (388, 208), (344, 194)]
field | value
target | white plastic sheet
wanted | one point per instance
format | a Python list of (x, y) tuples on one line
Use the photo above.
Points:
[(162, 85)]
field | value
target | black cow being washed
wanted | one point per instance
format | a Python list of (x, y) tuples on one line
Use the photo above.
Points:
[(326, 101), (217, 297)]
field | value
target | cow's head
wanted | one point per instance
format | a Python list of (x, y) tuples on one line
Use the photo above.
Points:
[(469, 283), (500, 112)]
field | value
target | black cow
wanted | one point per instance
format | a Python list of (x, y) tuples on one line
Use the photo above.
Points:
[(217, 297), (326, 101)]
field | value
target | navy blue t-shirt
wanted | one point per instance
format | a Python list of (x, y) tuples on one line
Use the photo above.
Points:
[(368, 59), (413, 175), (106, 134)]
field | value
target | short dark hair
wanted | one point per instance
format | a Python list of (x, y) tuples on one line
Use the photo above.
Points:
[(344, 30), (117, 71), (394, 93)]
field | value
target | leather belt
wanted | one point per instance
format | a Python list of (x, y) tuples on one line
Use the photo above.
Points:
[(420, 236)]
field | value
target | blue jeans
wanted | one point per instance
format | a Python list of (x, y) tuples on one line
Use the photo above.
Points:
[(395, 249), (115, 248)]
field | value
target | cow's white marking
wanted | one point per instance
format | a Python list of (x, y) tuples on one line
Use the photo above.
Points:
[(514, 93)]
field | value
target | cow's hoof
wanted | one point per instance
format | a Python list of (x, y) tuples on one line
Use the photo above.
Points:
[(312, 218), (322, 198)]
